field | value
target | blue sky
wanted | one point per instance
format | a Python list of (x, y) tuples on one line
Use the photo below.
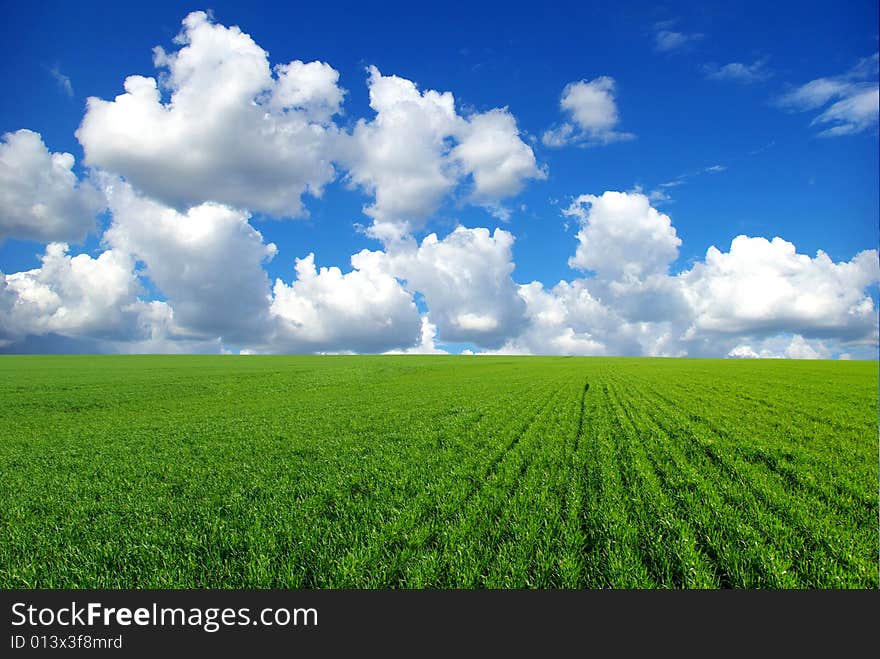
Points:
[(720, 135)]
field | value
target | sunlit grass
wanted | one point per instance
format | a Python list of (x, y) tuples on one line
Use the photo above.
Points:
[(436, 472)]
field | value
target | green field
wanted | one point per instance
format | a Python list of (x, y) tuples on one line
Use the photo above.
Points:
[(437, 472)]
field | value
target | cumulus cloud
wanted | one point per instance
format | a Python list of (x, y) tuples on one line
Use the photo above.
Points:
[(221, 124), (743, 351), (208, 261), (739, 72), (781, 348), (466, 280), (427, 341), (311, 88), (592, 115), (326, 310), (491, 151), (95, 300), (208, 264), (231, 132), (40, 195), (571, 319), (400, 157), (70, 294), (850, 100), (760, 299), (800, 348), (622, 237), (630, 305), (766, 287), (222, 134), (418, 149), (563, 321)]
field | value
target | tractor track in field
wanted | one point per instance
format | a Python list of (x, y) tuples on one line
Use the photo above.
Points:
[(591, 487), (578, 440), (546, 467), (606, 525), (495, 464), (580, 430), (727, 464), (570, 541)]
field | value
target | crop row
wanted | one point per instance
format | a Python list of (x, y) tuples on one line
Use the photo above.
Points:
[(366, 472)]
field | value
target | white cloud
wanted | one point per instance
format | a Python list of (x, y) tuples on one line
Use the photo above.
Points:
[(622, 237), (559, 136), (209, 264), (815, 93), (427, 342), (666, 40), (491, 150), (800, 348), (222, 125), (63, 81), (230, 133), (71, 294), (311, 88), (552, 317), (780, 347), (591, 104), (766, 287), (592, 115), (570, 319), (466, 282), (739, 72), (743, 352), (365, 310), (40, 196), (207, 261), (852, 114), (81, 297), (418, 149), (761, 299), (400, 157), (853, 96)]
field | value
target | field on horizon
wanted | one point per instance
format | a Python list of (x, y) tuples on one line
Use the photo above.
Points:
[(437, 472)]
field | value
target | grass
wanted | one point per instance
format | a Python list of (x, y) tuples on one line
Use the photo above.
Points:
[(437, 472)]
